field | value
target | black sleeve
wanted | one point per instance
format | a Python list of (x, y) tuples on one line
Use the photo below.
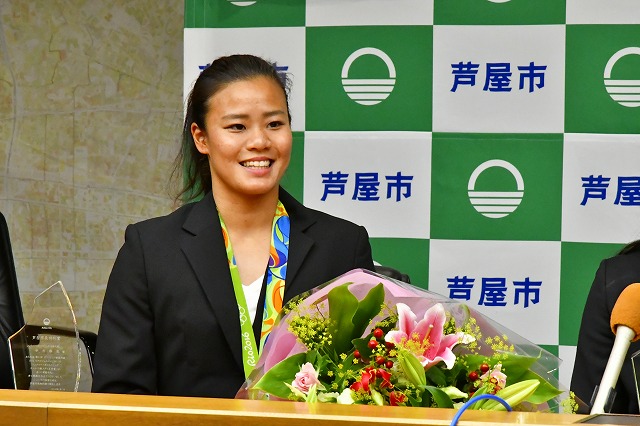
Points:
[(595, 339), (125, 360), (364, 258)]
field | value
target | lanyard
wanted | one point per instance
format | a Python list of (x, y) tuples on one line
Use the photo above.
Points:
[(276, 273)]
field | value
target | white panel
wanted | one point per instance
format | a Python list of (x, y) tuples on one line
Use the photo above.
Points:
[(603, 12), (369, 12), (468, 108), (568, 356), (384, 153), (513, 261), (285, 46), (599, 220)]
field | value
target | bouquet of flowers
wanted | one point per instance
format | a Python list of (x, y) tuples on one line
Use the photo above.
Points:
[(364, 338)]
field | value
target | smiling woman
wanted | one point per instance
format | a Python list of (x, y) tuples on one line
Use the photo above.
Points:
[(193, 296), (247, 138)]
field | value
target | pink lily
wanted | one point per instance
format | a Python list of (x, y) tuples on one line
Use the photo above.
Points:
[(425, 338), (499, 377)]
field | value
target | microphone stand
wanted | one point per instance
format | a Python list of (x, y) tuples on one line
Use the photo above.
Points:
[(605, 395)]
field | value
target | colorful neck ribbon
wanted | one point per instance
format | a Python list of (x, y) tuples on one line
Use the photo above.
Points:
[(276, 274)]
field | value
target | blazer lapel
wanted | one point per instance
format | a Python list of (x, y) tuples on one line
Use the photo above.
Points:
[(299, 243), (206, 253)]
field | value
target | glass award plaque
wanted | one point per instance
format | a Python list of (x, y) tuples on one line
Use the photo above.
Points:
[(47, 353), (635, 363)]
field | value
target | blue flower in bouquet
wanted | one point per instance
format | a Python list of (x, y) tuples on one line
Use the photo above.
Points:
[(367, 339)]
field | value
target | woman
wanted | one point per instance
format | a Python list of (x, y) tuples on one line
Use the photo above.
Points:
[(596, 338), (177, 317)]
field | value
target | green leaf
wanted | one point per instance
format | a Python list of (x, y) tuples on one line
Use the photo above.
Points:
[(368, 308), (436, 376), (362, 346), (274, 381), (350, 317), (416, 401), (441, 399), (342, 308), (544, 392), (312, 355)]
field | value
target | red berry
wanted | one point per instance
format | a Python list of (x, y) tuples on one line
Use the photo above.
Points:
[(372, 344), (378, 333), (473, 376), (380, 360), (389, 345), (484, 367), (356, 354), (389, 364)]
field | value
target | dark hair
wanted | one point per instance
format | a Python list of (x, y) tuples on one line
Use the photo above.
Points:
[(190, 164), (631, 247)]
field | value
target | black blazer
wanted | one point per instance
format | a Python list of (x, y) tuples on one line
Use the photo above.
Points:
[(596, 338), (169, 323)]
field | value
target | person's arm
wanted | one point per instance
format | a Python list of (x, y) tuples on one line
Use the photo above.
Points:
[(595, 339), (125, 360), (364, 258)]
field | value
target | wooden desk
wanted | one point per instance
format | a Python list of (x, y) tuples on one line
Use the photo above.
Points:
[(41, 408)]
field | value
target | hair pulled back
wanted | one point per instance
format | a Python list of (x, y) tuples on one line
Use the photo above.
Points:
[(630, 248), (190, 163)]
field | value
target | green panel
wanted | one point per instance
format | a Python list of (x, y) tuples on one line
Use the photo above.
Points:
[(538, 158), (484, 12), (407, 107), (588, 106), (226, 14), (293, 179), (578, 268), (410, 256), (555, 350)]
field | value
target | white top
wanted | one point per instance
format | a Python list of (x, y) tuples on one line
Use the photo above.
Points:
[(251, 295)]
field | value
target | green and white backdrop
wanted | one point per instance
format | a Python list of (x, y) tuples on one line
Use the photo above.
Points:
[(490, 147)]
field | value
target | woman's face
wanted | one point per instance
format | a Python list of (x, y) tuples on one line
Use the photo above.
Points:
[(247, 137)]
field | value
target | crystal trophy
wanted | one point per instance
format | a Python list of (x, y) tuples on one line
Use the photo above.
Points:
[(635, 363), (47, 353)]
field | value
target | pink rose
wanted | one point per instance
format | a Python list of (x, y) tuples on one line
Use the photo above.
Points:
[(305, 378)]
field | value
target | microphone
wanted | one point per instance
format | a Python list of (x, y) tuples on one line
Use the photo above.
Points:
[(625, 324)]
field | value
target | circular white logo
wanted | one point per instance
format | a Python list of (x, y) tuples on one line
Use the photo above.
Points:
[(495, 204), (243, 316), (241, 3), (368, 91), (624, 92), (46, 321)]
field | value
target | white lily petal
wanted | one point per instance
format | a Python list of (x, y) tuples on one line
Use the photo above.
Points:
[(454, 393), (345, 397)]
